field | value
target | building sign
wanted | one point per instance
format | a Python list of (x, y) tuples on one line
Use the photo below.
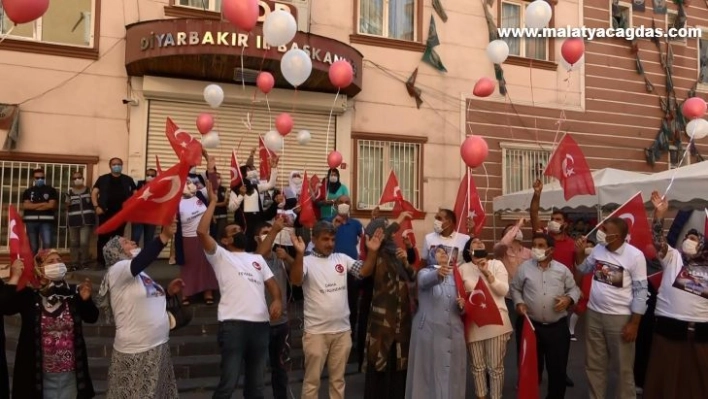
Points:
[(267, 7)]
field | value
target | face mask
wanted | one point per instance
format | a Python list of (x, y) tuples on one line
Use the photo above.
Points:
[(239, 241), (538, 253), (689, 247), (117, 168), (297, 181), (252, 175), (39, 182), (333, 179), (588, 251), (438, 226), (262, 237), (479, 253), (79, 182), (193, 170), (189, 189), (343, 209), (601, 237), (149, 178), (55, 272), (554, 227), (519, 236), (134, 252)]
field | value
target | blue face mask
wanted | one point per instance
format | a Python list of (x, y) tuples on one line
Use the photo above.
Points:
[(117, 168), (39, 182)]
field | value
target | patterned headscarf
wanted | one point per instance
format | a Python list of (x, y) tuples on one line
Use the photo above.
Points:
[(113, 253)]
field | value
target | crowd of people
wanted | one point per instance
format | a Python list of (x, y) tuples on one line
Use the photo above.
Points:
[(399, 308)]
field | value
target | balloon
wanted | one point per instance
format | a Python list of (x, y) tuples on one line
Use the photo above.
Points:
[(474, 151), (572, 50), (265, 82), (483, 88), (210, 140), (279, 28), (697, 129), (24, 11), (578, 64), (497, 51), (296, 66), (303, 137), (334, 159), (284, 124), (205, 122), (242, 13), (214, 95), (693, 108), (341, 74), (538, 14), (273, 141)]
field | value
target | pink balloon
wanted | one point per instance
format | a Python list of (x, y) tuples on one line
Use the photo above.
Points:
[(205, 123), (572, 50), (483, 88), (284, 124), (334, 159), (24, 11), (265, 82), (341, 74), (474, 151), (242, 13), (694, 107)]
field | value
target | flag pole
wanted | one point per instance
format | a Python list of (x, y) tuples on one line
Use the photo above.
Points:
[(612, 214), (530, 322)]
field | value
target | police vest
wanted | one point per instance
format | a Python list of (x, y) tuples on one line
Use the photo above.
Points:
[(80, 209)]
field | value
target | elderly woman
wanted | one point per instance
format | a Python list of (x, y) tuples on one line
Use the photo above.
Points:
[(487, 344), (333, 190), (51, 359), (436, 367), (144, 313)]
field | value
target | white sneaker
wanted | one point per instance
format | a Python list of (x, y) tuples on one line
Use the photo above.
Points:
[(639, 390), (573, 338)]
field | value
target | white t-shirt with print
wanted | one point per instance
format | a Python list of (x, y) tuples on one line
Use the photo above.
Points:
[(325, 290), (241, 278), (613, 272), (454, 246), (674, 302), (190, 214), (139, 309)]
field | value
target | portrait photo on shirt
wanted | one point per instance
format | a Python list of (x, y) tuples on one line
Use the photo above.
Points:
[(693, 279), (609, 274), (152, 289)]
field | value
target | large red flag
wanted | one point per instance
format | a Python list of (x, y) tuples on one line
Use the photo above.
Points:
[(484, 310), (157, 165), (635, 215), (528, 363), (185, 146), (468, 204), (20, 247), (265, 155), (236, 177), (307, 210), (156, 203), (406, 227), (467, 316), (392, 190), (568, 165)]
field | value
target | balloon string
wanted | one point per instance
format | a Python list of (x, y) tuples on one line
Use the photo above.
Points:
[(243, 74), (270, 119), (294, 100), (562, 117), (329, 122), (683, 158), (6, 34)]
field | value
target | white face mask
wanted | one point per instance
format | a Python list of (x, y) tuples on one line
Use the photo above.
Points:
[(343, 209), (78, 182), (189, 189), (193, 170), (689, 247), (588, 251), (148, 178), (538, 253), (134, 252), (333, 179), (601, 237), (519, 236), (554, 227), (55, 272), (438, 226), (263, 237), (297, 181)]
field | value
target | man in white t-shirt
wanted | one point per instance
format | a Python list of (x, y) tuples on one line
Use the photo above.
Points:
[(244, 316), (445, 234), (323, 277), (618, 299)]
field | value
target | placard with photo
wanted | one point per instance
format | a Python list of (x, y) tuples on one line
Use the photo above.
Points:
[(693, 279)]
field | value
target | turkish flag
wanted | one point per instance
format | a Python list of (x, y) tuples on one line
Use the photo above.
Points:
[(392, 190), (635, 215), (156, 203), (406, 227), (307, 210), (20, 247), (467, 316), (484, 310), (316, 191), (157, 165), (528, 363), (236, 177), (185, 146), (568, 165), (265, 155), (468, 204)]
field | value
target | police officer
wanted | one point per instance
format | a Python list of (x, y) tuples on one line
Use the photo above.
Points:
[(39, 205), (80, 219)]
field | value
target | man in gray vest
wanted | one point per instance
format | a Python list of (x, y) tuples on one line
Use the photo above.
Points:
[(80, 219)]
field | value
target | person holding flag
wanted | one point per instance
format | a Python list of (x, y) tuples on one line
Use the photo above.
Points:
[(137, 230)]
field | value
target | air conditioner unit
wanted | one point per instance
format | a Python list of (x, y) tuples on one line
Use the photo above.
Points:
[(303, 13)]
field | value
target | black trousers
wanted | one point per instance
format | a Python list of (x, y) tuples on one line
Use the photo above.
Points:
[(103, 239), (360, 294), (553, 347)]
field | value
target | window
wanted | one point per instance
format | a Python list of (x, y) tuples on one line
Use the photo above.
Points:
[(65, 23), (621, 15), (207, 5), (375, 158), (674, 22), (702, 59), (512, 16), (392, 19), (522, 165)]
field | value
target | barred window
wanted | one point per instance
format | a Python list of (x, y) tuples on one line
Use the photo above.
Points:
[(522, 165)]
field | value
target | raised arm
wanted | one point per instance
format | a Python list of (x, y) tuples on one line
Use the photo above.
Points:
[(661, 205), (153, 249), (536, 205), (266, 246), (208, 242), (297, 270), (497, 277), (372, 253), (263, 187)]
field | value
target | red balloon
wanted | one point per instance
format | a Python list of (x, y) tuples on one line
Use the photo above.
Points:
[(572, 50), (341, 74), (284, 124), (474, 151), (24, 11), (265, 82), (694, 107), (334, 159), (483, 88), (205, 122), (242, 13)]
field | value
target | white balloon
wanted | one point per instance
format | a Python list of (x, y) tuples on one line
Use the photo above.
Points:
[(497, 51), (697, 128), (303, 137), (538, 14), (296, 66), (279, 28), (214, 95), (210, 140), (273, 141), (574, 67)]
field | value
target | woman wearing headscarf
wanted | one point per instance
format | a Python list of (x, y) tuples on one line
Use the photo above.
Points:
[(486, 345), (293, 190), (389, 322), (51, 360), (144, 314), (437, 360), (333, 190)]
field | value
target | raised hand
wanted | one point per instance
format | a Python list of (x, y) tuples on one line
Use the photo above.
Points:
[(175, 287), (402, 255), (279, 224), (580, 244), (242, 190), (444, 271), (274, 161), (375, 212), (403, 216), (661, 204), (298, 243), (537, 186), (85, 290), (16, 269), (169, 231), (211, 163), (373, 243)]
